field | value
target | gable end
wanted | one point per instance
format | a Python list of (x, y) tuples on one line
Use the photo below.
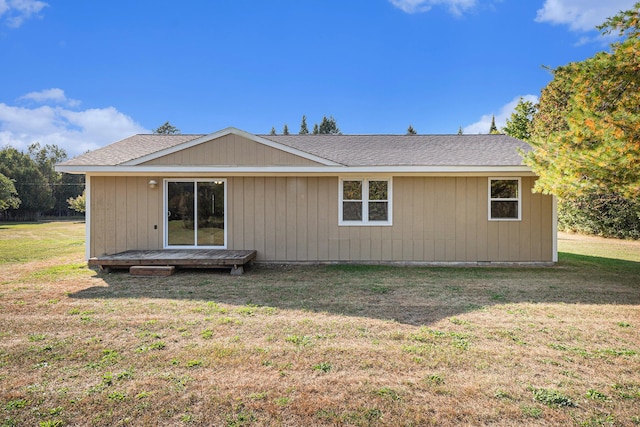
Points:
[(232, 147)]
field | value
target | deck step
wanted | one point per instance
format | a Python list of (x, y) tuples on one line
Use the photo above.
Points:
[(152, 270)]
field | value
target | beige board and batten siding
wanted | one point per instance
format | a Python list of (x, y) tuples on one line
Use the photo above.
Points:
[(232, 150), (288, 219), (434, 219), (124, 213)]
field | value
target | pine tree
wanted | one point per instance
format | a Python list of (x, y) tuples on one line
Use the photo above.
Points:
[(493, 129), (167, 129), (519, 124), (273, 131), (315, 129), (460, 132), (303, 126), (328, 126), (411, 130), (285, 130)]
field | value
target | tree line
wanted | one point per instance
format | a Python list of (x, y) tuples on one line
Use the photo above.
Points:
[(327, 126), (31, 188)]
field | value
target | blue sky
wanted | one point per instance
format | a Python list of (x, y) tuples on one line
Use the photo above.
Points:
[(82, 74)]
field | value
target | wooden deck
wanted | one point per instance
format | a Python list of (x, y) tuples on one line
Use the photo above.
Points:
[(189, 258)]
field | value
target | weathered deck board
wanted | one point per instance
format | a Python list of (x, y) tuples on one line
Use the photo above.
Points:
[(192, 258)]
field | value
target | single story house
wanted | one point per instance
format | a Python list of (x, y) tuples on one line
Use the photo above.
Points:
[(319, 198)]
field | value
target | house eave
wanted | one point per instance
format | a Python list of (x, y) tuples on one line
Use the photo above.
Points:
[(289, 170)]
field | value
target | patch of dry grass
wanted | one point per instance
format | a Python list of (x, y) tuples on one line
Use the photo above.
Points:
[(326, 345)]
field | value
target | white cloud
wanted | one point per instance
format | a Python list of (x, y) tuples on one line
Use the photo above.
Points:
[(75, 131), (581, 15), (456, 7), (54, 94), (13, 13), (484, 124)]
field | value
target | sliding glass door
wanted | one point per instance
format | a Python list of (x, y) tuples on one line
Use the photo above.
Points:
[(195, 213)]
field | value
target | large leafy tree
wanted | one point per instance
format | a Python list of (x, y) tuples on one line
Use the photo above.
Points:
[(586, 134), (8, 195)]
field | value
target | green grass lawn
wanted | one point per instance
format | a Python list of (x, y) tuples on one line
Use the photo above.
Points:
[(345, 345), (20, 243)]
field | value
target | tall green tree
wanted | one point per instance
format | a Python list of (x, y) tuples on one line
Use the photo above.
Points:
[(493, 129), (303, 126), (328, 126), (586, 134), (166, 129), (285, 130), (519, 124), (411, 130), (8, 195), (273, 131), (316, 130), (460, 131)]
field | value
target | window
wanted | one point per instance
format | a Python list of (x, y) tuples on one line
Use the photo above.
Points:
[(365, 202), (504, 199)]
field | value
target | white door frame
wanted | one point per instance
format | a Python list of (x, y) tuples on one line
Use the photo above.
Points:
[(165, 220)]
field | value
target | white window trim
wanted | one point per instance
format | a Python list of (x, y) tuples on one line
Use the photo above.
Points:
[(365, 202), (517, 199), (166, 219)]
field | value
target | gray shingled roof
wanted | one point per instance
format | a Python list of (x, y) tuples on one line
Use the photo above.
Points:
[(128, 149), (348, 150), (410, 150)]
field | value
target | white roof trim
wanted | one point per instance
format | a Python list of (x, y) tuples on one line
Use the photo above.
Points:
[(225, 132), (301, 170)]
